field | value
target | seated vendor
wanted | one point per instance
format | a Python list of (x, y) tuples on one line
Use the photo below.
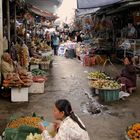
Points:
[(128, 75), (33, 52), (68, 125), (7, 65), (132, 33)]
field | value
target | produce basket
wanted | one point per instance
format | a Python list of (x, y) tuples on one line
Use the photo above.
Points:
[(109, 95), (133, 132), (20, 128)]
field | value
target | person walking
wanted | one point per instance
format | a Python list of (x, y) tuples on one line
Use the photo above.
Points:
[(55, 43)]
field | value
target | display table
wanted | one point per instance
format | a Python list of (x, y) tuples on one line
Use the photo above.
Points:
[(37, 87), (19, 94)]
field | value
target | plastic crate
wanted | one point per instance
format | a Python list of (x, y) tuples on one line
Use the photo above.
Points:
[(108, 95)]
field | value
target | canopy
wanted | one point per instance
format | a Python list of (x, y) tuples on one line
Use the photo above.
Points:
[(82, 4), (43, 13), (50, 5), (80, 12)]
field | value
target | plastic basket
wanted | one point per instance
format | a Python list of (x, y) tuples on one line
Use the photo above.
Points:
[(108, 95)]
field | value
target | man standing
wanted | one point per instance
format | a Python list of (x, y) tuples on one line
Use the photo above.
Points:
[(55, 42)]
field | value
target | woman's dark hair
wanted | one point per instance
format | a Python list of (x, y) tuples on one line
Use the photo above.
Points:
[(129, 58), (64, 105)]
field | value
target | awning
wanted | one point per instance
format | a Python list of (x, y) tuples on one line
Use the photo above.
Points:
[(82, 4), (43, 13), (124, 7), (80, 12), (50, 5)]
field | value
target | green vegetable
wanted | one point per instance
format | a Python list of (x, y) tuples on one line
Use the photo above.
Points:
[(38, 72)]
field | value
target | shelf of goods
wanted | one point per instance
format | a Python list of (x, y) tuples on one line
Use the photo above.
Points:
[(108, 89)]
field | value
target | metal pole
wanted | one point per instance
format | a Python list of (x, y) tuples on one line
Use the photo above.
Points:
[(1, 34), (15, 11), (8, 22), (26, 32)]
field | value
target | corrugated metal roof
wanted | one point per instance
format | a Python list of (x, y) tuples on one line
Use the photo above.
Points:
[(125, 6), (82, 4)]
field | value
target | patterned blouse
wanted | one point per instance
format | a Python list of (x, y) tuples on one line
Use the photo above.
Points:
[(68, 130)]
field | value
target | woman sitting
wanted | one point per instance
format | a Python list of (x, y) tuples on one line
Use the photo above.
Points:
[(70, 128), (7, 65), (128, 75)]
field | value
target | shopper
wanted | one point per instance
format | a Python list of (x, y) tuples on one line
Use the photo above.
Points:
[(78, 37), (128, 75), (132, 33), (70, 128), (55, 42), (48, 38)]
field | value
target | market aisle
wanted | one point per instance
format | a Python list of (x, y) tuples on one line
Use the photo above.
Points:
[(68, 80)]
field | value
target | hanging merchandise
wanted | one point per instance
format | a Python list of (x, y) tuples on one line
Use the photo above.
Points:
[(24, 56)]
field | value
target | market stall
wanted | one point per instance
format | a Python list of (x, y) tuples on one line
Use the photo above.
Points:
[(69, 49), (102, 84), (18, 82), (39, 79), (27, 128)]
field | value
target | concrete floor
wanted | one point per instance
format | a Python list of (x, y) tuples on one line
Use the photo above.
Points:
[(68, 79)]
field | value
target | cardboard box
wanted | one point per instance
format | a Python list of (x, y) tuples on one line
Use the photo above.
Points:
[(37, 87), (19, 94)]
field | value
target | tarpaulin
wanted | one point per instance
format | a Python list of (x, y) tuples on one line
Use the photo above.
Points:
[(80, 12), (50, 5), (82, 4), (43, 13)]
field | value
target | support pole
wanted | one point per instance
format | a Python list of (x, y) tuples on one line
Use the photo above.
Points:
[(8, 22), (1, 35), (26, 32), (15, 16)]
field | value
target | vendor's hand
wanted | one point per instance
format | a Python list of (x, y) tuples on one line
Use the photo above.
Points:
[(41, 127), (57, 125)]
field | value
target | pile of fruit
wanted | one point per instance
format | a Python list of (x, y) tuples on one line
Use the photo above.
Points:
[(97, 75), (104, 84), (133, 132), (35, 60), (24, 56), (22, 78), (47, 58), (25, 121)]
